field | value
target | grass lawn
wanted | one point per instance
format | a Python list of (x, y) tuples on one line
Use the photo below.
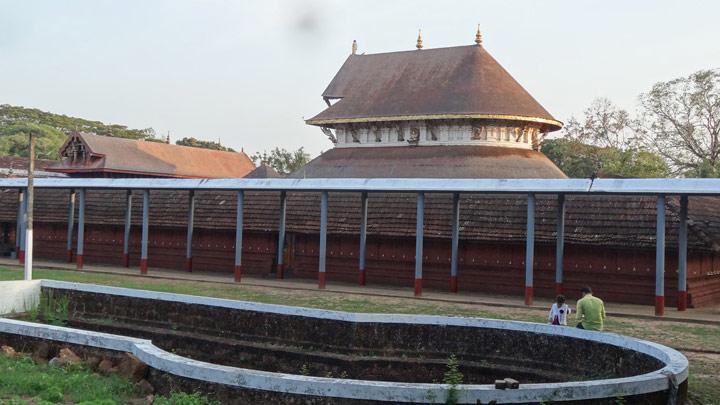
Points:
[(691, 339)]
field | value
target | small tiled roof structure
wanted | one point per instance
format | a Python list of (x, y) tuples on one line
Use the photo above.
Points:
[(90, 154), (264, 172), (443, 83), (459, 162)]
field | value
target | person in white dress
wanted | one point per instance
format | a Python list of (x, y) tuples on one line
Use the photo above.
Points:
[(559, 312)]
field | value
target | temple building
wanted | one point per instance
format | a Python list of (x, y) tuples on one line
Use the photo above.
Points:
[(426, 113), (91, 155), (447, 112)]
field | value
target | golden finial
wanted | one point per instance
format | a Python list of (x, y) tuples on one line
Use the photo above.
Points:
[(478, 36), (354, 47), (419, 40)]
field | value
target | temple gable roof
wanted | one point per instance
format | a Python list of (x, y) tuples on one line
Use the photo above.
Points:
[(90, 153)]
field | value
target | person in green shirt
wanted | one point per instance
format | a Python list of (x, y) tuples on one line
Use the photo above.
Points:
[(590, 312)]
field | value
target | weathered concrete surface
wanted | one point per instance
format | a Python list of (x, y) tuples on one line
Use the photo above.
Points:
[(649, 387), (19, 296)]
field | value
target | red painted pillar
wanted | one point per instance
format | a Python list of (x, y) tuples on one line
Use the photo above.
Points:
[(238, 273), (280, 271), (143, 266), (126, 260), (682, 300), (528, 296), (558, 288), (659, 305), (418, 287), (188, 264), (321, 280)]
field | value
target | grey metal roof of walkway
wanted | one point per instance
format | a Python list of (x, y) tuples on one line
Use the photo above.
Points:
[(540, 186)]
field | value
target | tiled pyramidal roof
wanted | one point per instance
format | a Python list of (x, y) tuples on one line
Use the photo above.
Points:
[(441, 83)]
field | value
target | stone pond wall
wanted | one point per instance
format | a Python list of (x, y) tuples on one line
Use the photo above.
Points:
[(650, 373), (373, 351)]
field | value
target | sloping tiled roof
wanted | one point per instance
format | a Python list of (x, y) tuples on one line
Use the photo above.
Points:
[(455, 82), (467, 161), (118, 155), (622, 222), (15, 166), (17, 162)]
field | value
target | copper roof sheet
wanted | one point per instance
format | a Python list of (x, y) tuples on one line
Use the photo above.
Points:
[(455, 82), (119, 155), (470, 161)]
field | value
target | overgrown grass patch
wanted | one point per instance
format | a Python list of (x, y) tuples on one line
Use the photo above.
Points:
[(24, 381)]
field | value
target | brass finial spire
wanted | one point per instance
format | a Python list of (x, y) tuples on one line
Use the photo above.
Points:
[(478, 36), (354, 47), (419, 40)]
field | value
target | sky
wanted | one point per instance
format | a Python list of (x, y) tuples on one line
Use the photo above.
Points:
[(248, 73)]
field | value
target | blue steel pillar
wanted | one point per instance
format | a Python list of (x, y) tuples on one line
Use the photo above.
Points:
[(682, 255), (70, 225), (419, 243), (323, 238), (363, 234), (239, 235), (559, 243), (80, 250), (280, 269), (455, 243), (190, 224), (530, 249), (128, 225), (660, 257), (145, 230)]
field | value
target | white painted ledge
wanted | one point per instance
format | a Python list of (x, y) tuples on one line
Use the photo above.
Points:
[(19, 296)]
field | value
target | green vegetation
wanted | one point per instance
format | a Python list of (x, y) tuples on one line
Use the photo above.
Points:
[(282, 160), (51, 130), (24, 381), (198, 143), (51, 310), (580, 160), (453, 377), (705, 368), (674, 133), (181, 398)]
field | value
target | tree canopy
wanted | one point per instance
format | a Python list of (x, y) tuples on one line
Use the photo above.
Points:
[(197, 143), (282, 160), (675, 133), (51, 130), (680, 120), (579, 160)]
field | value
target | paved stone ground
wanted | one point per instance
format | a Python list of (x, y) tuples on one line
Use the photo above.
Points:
[(705, 315)]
